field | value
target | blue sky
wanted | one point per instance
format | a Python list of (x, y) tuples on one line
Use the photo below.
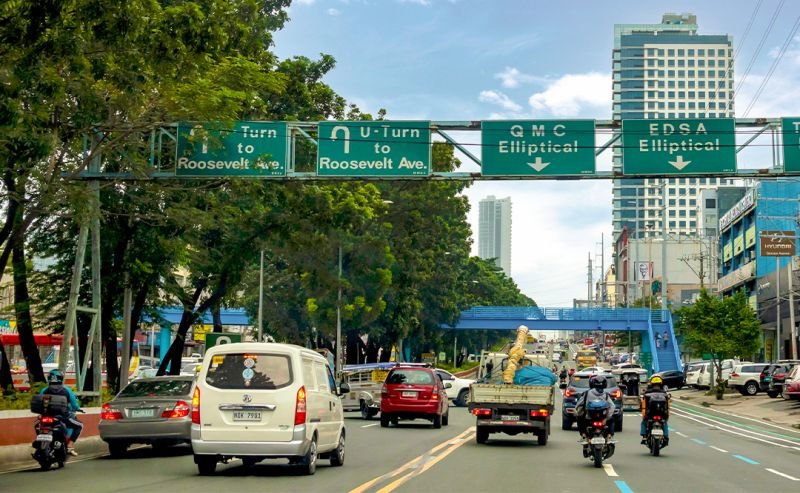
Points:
[(474, 60)]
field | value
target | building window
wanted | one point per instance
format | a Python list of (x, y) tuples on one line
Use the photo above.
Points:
[(701, 63), (692, 202), (712, 63), (693, 213), (682, 202), (721, 52), (690, 62), (681, 224), (701, 52), (671, 213), (670, 52), (671, 202), (681, 52), (711, 203), (681, 213), (681, 63), (672, 224)]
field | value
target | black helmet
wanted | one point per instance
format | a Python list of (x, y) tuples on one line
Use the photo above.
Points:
[(56, 377), (597, 382)]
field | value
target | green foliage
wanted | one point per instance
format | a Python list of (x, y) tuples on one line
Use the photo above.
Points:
[(725, 328)]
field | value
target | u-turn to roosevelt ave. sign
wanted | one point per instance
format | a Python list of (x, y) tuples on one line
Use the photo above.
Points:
[(537, 147), (667, 147), (374, 148)]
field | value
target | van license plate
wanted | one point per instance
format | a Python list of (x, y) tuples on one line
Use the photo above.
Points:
[(143, 413), (409, 394), (509, 417), (247, 415), (44, 438)]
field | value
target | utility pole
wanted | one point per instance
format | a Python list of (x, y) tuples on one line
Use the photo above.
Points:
[(778, 306), (602, 270), (261, 299), (793, 330), (589, 282), (339, 352), (663, 244)]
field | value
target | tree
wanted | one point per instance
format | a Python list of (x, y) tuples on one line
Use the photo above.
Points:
[(723, 328)]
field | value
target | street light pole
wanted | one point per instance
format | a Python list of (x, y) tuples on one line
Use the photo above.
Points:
[(664, 244), (339, 319), (261, 299)]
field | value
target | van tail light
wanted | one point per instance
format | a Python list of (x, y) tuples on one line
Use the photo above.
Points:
[(539, 413), (482, 412), (108, 413), (617, 394), (300, 407), (569, 392), (196, 406), (180, 410)]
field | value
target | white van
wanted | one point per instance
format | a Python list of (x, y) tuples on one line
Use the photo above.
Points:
[(706, 381), (693, 373), (256, 401)]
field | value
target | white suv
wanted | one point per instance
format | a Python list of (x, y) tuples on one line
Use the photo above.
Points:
[(255, 401), (745, 377), (459, 391)]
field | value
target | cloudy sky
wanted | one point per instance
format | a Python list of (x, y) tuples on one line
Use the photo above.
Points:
[(477, 60)]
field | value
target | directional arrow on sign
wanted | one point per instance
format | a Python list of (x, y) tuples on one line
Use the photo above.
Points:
[(679, 163), (537, 164)]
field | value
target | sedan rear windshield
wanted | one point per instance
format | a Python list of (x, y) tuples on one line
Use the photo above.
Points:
[(158, 388), (417, 377), (581, 382), (257, 371)]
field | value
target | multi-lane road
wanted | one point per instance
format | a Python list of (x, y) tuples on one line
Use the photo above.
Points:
[(709, 452)]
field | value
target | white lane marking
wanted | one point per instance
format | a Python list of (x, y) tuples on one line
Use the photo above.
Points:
[(681, 434), (719, 449), (610, 470), (759, 421), (773, 471), (723, 427), (369, 426)]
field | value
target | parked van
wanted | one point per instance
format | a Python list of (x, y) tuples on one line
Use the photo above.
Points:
[(256, 401), (693, 372)]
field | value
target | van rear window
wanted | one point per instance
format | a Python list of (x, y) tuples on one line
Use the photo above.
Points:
[(258, 371)]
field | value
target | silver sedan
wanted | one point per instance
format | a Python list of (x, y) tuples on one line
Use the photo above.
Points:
[(155, 411)]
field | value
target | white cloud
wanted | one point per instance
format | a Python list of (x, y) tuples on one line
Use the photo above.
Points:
[(305, 2), (498, 98), (571, 93), (333, 12), (511, 77), (418, 2)]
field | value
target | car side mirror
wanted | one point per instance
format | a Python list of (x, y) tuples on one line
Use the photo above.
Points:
[(448, 385), (344, 388)]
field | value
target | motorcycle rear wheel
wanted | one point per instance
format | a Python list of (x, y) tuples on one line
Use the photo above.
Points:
[(597, 455), (655, 447)]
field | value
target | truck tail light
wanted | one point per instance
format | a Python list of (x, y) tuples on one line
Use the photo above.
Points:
[(300, 407), (482, 412), (539, 413), (196, 406)]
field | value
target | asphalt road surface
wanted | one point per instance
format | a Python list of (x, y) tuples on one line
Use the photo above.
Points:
[(709, 452)]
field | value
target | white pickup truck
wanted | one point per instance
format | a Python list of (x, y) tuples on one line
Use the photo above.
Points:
[(512, 409)]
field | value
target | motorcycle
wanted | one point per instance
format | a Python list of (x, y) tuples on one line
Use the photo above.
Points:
[(599, 441), (655, 424), (50, 444)]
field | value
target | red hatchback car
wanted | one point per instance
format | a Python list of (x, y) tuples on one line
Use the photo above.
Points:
[(414, 393)]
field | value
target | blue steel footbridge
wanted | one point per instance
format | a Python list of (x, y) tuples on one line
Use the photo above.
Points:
[(652, 324)]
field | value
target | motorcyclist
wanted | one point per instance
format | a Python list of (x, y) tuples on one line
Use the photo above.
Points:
[(563, 375), (55, 386), (596, 392), (655, 386)]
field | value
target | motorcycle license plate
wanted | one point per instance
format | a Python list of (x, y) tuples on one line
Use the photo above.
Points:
[(598, 441), (44, 438), (657, 433)]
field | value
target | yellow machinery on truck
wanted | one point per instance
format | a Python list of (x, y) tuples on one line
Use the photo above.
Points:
[(586, 358)]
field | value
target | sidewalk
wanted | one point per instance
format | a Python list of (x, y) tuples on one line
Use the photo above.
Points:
[(779, 411)]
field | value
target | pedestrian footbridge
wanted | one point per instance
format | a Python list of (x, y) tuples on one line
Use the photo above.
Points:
[(649, 322)]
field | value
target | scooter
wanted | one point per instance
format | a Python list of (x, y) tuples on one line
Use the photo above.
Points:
[(655, 439), (600, 443)]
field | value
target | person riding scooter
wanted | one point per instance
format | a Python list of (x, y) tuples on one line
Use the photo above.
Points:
[(596, 392), (655, 387), (563, 375), (55, 381)]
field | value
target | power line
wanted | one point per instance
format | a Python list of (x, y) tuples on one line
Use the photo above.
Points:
[(760, 46), (775, 64)]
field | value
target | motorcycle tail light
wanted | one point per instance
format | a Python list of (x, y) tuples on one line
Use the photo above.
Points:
[(597, 424), (47, 420), (657, 418)]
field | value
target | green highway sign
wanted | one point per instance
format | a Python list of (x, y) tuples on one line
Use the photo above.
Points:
[(248, 149), (374, 148), (537, 147), (667, 147), (791, 144), (217, 338)]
